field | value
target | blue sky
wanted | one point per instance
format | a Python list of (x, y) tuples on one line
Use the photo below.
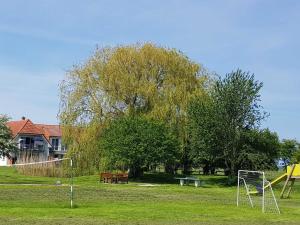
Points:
[(41, 39)]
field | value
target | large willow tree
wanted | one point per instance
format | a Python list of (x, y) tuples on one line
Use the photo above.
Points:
[(127, 80)]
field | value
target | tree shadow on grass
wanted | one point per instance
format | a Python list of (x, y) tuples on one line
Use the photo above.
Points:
[(164, 178), (216, 180), (157, 178)]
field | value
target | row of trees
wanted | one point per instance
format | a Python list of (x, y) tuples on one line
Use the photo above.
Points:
[(142, 106), (224, 125), (139, 106)]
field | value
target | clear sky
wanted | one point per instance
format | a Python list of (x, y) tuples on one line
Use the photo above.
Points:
[(41, 39)]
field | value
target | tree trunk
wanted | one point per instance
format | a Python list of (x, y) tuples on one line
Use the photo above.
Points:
[(186, 167), (206, 169), (186, 164), (169, 168), (135, 172), (212, 170)]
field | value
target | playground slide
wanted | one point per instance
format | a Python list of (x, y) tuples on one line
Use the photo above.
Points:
[(294, 169), (273, 182), (277, 180), (293, 172)]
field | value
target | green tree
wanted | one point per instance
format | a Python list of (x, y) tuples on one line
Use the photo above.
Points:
[(203, 134), (287, 148), (136, 143), (258, 149), (7, 146), (140, 79), (232, 109), (237, 103), (296, 157)]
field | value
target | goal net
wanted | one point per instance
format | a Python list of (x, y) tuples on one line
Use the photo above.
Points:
[(255, 191), (42, 184)]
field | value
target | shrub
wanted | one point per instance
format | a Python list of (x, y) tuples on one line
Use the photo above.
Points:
[(137, 143)]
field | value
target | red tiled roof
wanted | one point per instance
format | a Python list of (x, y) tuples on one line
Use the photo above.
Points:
[(50, 130), (16, 126), (24, 127), (27, 127)]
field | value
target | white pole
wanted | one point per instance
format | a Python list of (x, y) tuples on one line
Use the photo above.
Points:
[(263, 196), (274, 198), (238, 190), (248, 193), (71, 186)]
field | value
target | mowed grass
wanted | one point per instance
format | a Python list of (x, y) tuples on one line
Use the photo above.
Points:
[(166, 203)]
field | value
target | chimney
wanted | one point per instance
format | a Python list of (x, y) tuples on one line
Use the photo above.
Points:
[(23, 117)]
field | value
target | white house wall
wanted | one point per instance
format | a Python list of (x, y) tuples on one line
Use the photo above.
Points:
[(43, 155), (60, 147), (3, 161)]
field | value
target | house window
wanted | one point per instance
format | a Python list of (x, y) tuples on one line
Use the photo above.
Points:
[(54, 143), (26, 143), (29, 141)]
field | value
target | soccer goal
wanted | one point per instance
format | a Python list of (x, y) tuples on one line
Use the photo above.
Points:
[(255, 191), (43, 184)]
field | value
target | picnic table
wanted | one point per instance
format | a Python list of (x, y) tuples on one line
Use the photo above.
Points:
[(186, 180)]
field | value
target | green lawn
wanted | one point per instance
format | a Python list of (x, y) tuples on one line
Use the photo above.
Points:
[(130, 203)]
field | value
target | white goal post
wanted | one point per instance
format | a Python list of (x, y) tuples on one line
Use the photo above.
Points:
[(254, 190)]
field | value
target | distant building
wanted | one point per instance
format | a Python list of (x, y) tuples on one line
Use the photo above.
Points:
[(36, 142)]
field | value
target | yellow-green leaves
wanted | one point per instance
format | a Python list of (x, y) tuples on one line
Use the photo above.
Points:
[(139, 79), (130, 79)]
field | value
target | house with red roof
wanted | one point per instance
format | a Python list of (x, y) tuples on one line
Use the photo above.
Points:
[(36, 142)]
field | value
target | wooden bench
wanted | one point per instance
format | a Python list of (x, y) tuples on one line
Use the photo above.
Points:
[(114, 177), (186, 180), (107, 178), (122, 177)]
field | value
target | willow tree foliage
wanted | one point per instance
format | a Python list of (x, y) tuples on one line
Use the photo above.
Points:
[(7, 146), (140, 79), (83, 147)]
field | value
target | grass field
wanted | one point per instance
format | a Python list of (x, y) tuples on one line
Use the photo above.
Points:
[(166, 203)]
